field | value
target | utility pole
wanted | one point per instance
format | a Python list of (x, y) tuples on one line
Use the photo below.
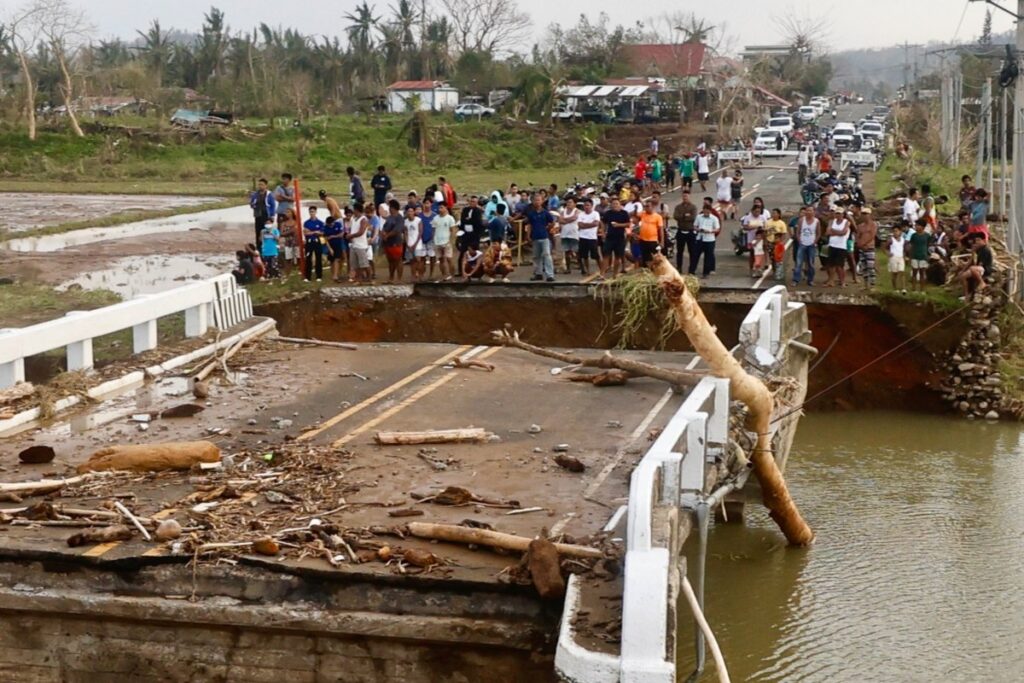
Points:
[(906, 67), (945, 116), (988, 135), (958, 111), (1017, 198), (1004, 186), (984, 134)]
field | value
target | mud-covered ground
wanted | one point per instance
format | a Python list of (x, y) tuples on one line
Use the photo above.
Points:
[(30, 210)]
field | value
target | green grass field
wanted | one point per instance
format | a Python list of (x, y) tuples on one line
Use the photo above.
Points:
[(476, 156)]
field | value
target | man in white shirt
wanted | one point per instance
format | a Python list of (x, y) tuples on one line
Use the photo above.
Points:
[(588, 223), (703, 160), (911, 207), (723, 193), (707, 226)]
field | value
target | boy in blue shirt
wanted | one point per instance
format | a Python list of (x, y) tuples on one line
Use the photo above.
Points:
[(337, 247), (498, 227), (270, 236), (313, 232)]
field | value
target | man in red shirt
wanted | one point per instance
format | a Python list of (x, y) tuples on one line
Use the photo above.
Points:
[(447, 191), (640, 171)]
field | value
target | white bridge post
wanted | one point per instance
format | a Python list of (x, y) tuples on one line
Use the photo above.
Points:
[(197, 320)]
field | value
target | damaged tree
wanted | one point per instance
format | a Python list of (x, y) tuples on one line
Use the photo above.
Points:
[(745, 388)]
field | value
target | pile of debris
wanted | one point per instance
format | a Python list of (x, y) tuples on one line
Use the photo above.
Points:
[(289, 502)]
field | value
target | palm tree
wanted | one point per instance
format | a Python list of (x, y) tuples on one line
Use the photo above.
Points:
[(210, 46), (361, 26), (156, 51), (537, 90), (697, 30), (329, 67)]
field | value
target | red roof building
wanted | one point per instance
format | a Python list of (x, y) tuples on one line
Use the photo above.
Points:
[(684, 60)]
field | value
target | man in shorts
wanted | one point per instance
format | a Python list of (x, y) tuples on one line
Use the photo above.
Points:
[(652, 233), (359, 245), (686, 169), (616, 221), (723, 195), (919, 241), (443, 225), (703, 162)]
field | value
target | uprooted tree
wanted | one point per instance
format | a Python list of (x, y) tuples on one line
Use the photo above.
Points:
[(745, 387)]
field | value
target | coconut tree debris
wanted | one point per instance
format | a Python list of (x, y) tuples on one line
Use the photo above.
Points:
[(745, 388), (606, 361), (494, 539), (181, 455), (37, 455), (101, 535), (569, 462), (464, 435), (133, 519), (460, 362), (545, 570), (16, 393), (317, 342)]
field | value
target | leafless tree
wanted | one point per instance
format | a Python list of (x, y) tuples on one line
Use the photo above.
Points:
[(488, 26), (65, 29), (23, 25), (804, 32), (677, 28)]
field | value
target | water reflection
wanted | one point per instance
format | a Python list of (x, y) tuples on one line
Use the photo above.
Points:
[(918, 570)]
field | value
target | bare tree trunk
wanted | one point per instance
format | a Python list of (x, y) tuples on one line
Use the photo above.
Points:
[(66, 90), (30, 95), (745, 388)]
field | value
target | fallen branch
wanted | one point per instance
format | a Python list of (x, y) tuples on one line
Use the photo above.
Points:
[(33, 488), (465, 435), (606, 361), (494, 539), (133, 519), (318, 342), (473, 363), (102, 535), (745, 388), (220, 361)]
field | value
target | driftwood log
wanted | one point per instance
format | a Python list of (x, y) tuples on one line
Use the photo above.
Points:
[(318, 342), (180, 455), (465, 435), (606, 361), (494, 539), (745, 388)]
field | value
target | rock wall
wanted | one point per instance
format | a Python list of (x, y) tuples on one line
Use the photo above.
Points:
[(974, 385)]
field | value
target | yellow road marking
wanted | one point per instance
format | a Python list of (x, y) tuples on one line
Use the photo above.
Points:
[(98, 550), (348, 412), (405, 403)]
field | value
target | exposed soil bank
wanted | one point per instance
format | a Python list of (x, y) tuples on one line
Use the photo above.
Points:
[(570, 317)]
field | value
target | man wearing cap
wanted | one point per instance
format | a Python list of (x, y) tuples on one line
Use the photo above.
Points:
[(867, 230)]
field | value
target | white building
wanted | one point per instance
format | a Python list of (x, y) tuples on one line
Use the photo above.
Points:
[(431, 95)]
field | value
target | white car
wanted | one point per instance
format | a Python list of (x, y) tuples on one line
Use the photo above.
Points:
[(873, 130), (782, 124), (768, 139), (473, 110), (843, 135), (819, 103), (807, 114)]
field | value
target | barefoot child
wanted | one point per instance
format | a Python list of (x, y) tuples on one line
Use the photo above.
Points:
[(897, 247), (919, 241), (757, 249)]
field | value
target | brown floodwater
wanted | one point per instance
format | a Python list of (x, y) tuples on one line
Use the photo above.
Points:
[(917, 573)]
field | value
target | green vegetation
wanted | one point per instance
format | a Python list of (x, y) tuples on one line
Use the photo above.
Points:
[(270, 291), (24, 303), (940, 298), (1011, 363), (227, 163)]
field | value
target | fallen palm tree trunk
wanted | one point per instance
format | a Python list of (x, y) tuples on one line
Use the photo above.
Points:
[(180, 455), (745, 388), (606, 361), (494, 539)]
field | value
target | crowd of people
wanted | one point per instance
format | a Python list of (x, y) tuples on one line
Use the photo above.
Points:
[(436, 238)]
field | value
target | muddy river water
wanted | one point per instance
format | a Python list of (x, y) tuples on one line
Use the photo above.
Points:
[(918, 570)]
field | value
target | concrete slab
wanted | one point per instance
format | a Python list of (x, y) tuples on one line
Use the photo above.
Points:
[(407, 387)]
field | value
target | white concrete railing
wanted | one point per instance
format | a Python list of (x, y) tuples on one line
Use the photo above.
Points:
[(733, 155), (869, 158), (218, 301), (671, 474)]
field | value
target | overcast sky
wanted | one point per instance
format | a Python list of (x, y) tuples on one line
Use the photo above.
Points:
[(853, 23)]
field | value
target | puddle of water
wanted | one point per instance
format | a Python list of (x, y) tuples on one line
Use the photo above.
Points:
[(137, 275), (29, 210), (203, 220)]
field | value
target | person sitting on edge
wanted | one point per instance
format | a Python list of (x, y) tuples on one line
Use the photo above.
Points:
[(243, 272)]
